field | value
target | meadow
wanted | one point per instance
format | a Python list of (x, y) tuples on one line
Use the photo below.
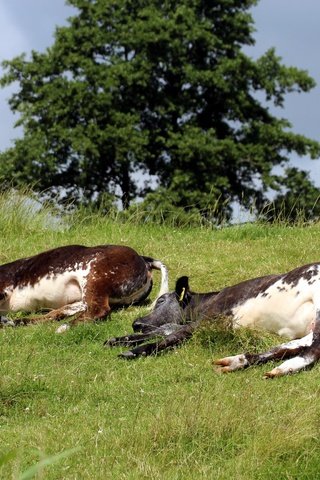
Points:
[(71, 409)]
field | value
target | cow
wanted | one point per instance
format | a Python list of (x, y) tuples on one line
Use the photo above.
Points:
[(286, 304), (76, 281)]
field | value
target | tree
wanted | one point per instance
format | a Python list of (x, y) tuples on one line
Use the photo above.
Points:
[(298, 199), (162, 88)]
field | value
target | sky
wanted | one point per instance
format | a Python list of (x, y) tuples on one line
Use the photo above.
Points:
[(291, 26)]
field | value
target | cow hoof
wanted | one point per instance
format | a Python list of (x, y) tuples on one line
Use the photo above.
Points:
[(276, 372), (127, 355), (6, 322), (111, 342), (63, 328), (229, 364)]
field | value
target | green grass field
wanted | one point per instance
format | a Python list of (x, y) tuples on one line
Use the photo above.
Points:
[(166, 417)]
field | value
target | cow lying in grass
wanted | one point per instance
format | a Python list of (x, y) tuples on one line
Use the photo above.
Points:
[(82, 282), (287, 304)]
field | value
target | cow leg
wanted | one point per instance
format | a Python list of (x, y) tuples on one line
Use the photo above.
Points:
[(95, 302), (305, 355), (56, 314), (65, 311), (129, 340), (169, 341), (300, 353), (138, 338), (96, 310), (285, 350)]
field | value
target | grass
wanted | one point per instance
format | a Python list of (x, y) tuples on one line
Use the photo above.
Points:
[(166, 417)]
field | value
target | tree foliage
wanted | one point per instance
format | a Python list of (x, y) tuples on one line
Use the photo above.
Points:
[(298, 200), (161, 88)]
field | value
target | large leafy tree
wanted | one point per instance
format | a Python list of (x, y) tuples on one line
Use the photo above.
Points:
[(160, 87)]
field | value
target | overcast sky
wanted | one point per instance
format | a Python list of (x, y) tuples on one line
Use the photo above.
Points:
[(291, 26)]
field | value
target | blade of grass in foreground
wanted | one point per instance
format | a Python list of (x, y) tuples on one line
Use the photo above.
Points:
[(34, 469)]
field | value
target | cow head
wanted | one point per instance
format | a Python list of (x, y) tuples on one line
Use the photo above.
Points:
[(169, 308)]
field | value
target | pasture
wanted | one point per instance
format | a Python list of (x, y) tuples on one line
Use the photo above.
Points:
[(167, 417)]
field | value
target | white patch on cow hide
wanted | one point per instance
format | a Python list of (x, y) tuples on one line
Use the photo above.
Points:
[(50, 292), (284, 309)]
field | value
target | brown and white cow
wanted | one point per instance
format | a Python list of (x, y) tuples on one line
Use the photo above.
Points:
[(77, 281), (287, 304)]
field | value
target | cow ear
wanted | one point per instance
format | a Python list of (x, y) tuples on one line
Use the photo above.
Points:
[(182, 288)]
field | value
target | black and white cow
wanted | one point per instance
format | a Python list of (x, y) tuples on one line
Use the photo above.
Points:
[(287, 304), (78, 281)]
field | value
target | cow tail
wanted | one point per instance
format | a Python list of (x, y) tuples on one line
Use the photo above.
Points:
[(158, 265)]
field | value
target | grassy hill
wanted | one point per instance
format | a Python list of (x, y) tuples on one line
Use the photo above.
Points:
[(166, 417)]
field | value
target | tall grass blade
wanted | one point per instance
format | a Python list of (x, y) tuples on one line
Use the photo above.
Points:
[(34, 469)]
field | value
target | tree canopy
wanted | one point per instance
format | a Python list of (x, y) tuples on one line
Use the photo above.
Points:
[(144, 89)]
